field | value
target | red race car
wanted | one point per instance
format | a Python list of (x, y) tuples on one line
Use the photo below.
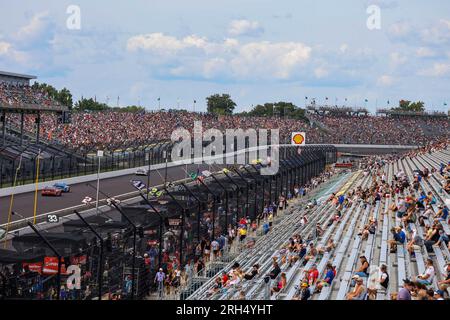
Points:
[(51, 191)]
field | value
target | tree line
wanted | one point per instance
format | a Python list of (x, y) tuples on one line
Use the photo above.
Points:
[(218, 104)]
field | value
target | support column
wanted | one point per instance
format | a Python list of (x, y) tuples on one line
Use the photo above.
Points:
[(38, 126), (3, 127), (21, 127)]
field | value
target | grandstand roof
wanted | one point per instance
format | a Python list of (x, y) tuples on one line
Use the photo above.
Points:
[(17, 75)]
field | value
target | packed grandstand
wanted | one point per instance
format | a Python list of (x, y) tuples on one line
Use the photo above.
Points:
[(377, 229), (106, 129)]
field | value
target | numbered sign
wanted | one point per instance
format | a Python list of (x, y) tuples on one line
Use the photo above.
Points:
[(52, 218)]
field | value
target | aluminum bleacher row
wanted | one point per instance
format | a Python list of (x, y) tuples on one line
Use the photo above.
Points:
[(376, 249), (264, 248), (350, 245)]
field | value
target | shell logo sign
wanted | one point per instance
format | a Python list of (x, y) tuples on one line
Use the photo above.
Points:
[(298, 139)]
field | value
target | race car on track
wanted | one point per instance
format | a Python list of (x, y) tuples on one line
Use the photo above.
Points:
[(51, 191), (141, 172), (64, 187)]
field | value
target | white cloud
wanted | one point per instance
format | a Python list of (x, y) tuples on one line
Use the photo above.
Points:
[(424, 52), (385, 81), (437, 70), (320, 72), (198, 57), (214, 67), (399, 29), (158, 42), (437, 34), (34, 28), (266, 59), (4, 47), (397, 59), (245, 28), (7, 50)]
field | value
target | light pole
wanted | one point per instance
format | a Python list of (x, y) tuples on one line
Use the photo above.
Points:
[(165, 171), (149, 167), (99, 156)]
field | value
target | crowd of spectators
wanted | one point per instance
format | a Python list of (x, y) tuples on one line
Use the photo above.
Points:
[(109, 130), (112, 129), (18, 95), (382, 130)]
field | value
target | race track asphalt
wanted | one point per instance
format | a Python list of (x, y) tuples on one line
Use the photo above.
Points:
[(24, 203)]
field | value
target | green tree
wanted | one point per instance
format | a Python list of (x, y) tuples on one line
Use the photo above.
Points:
[(277, 109), (220, 104), (134, 109), (64, 96), (90, 105), (406, 105)]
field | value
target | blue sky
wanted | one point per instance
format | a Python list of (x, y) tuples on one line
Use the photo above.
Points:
[(256, 50)]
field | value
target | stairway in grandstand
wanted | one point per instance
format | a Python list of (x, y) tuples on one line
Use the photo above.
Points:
[(350, 246)]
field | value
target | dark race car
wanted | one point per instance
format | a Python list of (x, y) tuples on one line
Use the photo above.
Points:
[(51, 191)]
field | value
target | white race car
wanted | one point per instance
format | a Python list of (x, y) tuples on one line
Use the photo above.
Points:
[(141, 172)]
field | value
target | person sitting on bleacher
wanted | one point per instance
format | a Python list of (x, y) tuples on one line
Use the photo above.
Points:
[(410, 217), (447, 186), (216, 287), (303, 293), (253, 273), (362, 271), (415, 243), (432, 236), (399, 238), (443, 238), (384, 277), (327, 248), (442, 213), (444, 284), (431, 199), (318, 231), (280, 284), (312, 275), (329, 276), (427, 277), (359, 291), (275, 271), (405, 293), (401, 207), (426, 216), (312, 253), (302, 251)]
